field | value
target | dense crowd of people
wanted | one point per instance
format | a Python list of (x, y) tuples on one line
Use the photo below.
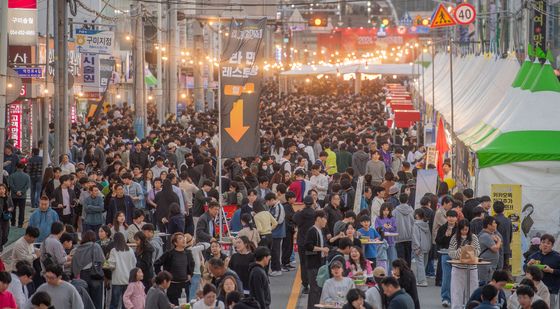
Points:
[(123, 222)]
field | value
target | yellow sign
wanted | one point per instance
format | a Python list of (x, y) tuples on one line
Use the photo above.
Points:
[(442, 18), (510, 195)]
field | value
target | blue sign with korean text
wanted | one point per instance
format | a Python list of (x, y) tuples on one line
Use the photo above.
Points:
[(29, 72)]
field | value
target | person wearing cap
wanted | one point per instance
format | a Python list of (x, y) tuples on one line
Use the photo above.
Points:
[(335, 288), (303, 220), (392, 197), (170, 154), (374, 295), (259, 284)]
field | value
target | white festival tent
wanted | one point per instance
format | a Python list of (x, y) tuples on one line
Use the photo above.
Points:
[(511, 123), (383, 69)]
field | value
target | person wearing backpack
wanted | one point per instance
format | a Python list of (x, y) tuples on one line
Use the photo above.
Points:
[(315, 252), (374, 295), (52, 251)]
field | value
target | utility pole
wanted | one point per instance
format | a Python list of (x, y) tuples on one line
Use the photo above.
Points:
[(160, 97), (172, 63), (61, 81), (138, 58), (198, 69), (45, 107), (3, 73)]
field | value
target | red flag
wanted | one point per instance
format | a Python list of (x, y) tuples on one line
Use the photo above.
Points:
[(441, 147)]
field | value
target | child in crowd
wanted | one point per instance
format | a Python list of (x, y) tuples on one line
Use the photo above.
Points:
[(370, 250), (421, 244), (381, 258)]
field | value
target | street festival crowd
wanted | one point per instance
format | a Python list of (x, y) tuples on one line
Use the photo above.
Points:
[(134, 223)]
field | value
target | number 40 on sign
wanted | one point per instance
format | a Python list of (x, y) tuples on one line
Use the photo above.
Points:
[(465, 14)]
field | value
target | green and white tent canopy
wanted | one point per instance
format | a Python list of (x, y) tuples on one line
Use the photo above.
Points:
[(524, 125)]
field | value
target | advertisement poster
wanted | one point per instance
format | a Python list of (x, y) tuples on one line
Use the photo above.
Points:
[(510, 195)]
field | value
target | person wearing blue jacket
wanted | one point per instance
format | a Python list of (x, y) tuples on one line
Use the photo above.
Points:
[(551, 271), (93, 210), (278, 234), (43, 217)]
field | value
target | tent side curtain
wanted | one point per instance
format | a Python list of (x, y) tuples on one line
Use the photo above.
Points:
[(384, 69), (519, 146)]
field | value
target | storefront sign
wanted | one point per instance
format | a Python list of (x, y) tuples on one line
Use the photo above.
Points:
[(14, 126), (90, 67), (29, 72), (94, 41), (510, 195), (22, 22)]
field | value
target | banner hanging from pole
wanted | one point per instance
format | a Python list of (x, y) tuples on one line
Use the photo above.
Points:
[(240, 84)]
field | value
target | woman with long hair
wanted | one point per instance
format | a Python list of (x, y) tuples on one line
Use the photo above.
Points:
[(135, 297), (88, 255), (144, 258), (248, 229), (462, 238), (228, 285), (163, 200), (402, 272), (388, 224), (358, 264), (242, 258), (119, 224), (7, 208), (105, 240), (121, 261), (148, 180)]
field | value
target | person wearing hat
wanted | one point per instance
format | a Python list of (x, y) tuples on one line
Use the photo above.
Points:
[(303, 220), (259, 285), (170, 155), (374, 295), (335, 288), (392, 198)]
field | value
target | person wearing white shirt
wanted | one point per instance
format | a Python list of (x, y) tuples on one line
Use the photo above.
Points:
[(319, 182), (66, 167), (23, 249), (21, 276)]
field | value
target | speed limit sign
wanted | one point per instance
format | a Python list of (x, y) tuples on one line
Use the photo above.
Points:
[(465, 14)]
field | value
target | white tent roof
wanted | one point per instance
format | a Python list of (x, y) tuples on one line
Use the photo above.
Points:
[(479, 84), (388, 69)]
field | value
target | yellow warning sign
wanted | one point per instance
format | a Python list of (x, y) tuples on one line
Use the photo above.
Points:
[(442, 18)]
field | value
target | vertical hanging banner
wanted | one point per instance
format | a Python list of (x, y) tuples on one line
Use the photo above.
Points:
[(240, 87), (510, 195), (539, 24)]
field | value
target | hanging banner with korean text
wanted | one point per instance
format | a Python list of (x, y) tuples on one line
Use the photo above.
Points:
[(510, 195), (539, 24), (241, 76)]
